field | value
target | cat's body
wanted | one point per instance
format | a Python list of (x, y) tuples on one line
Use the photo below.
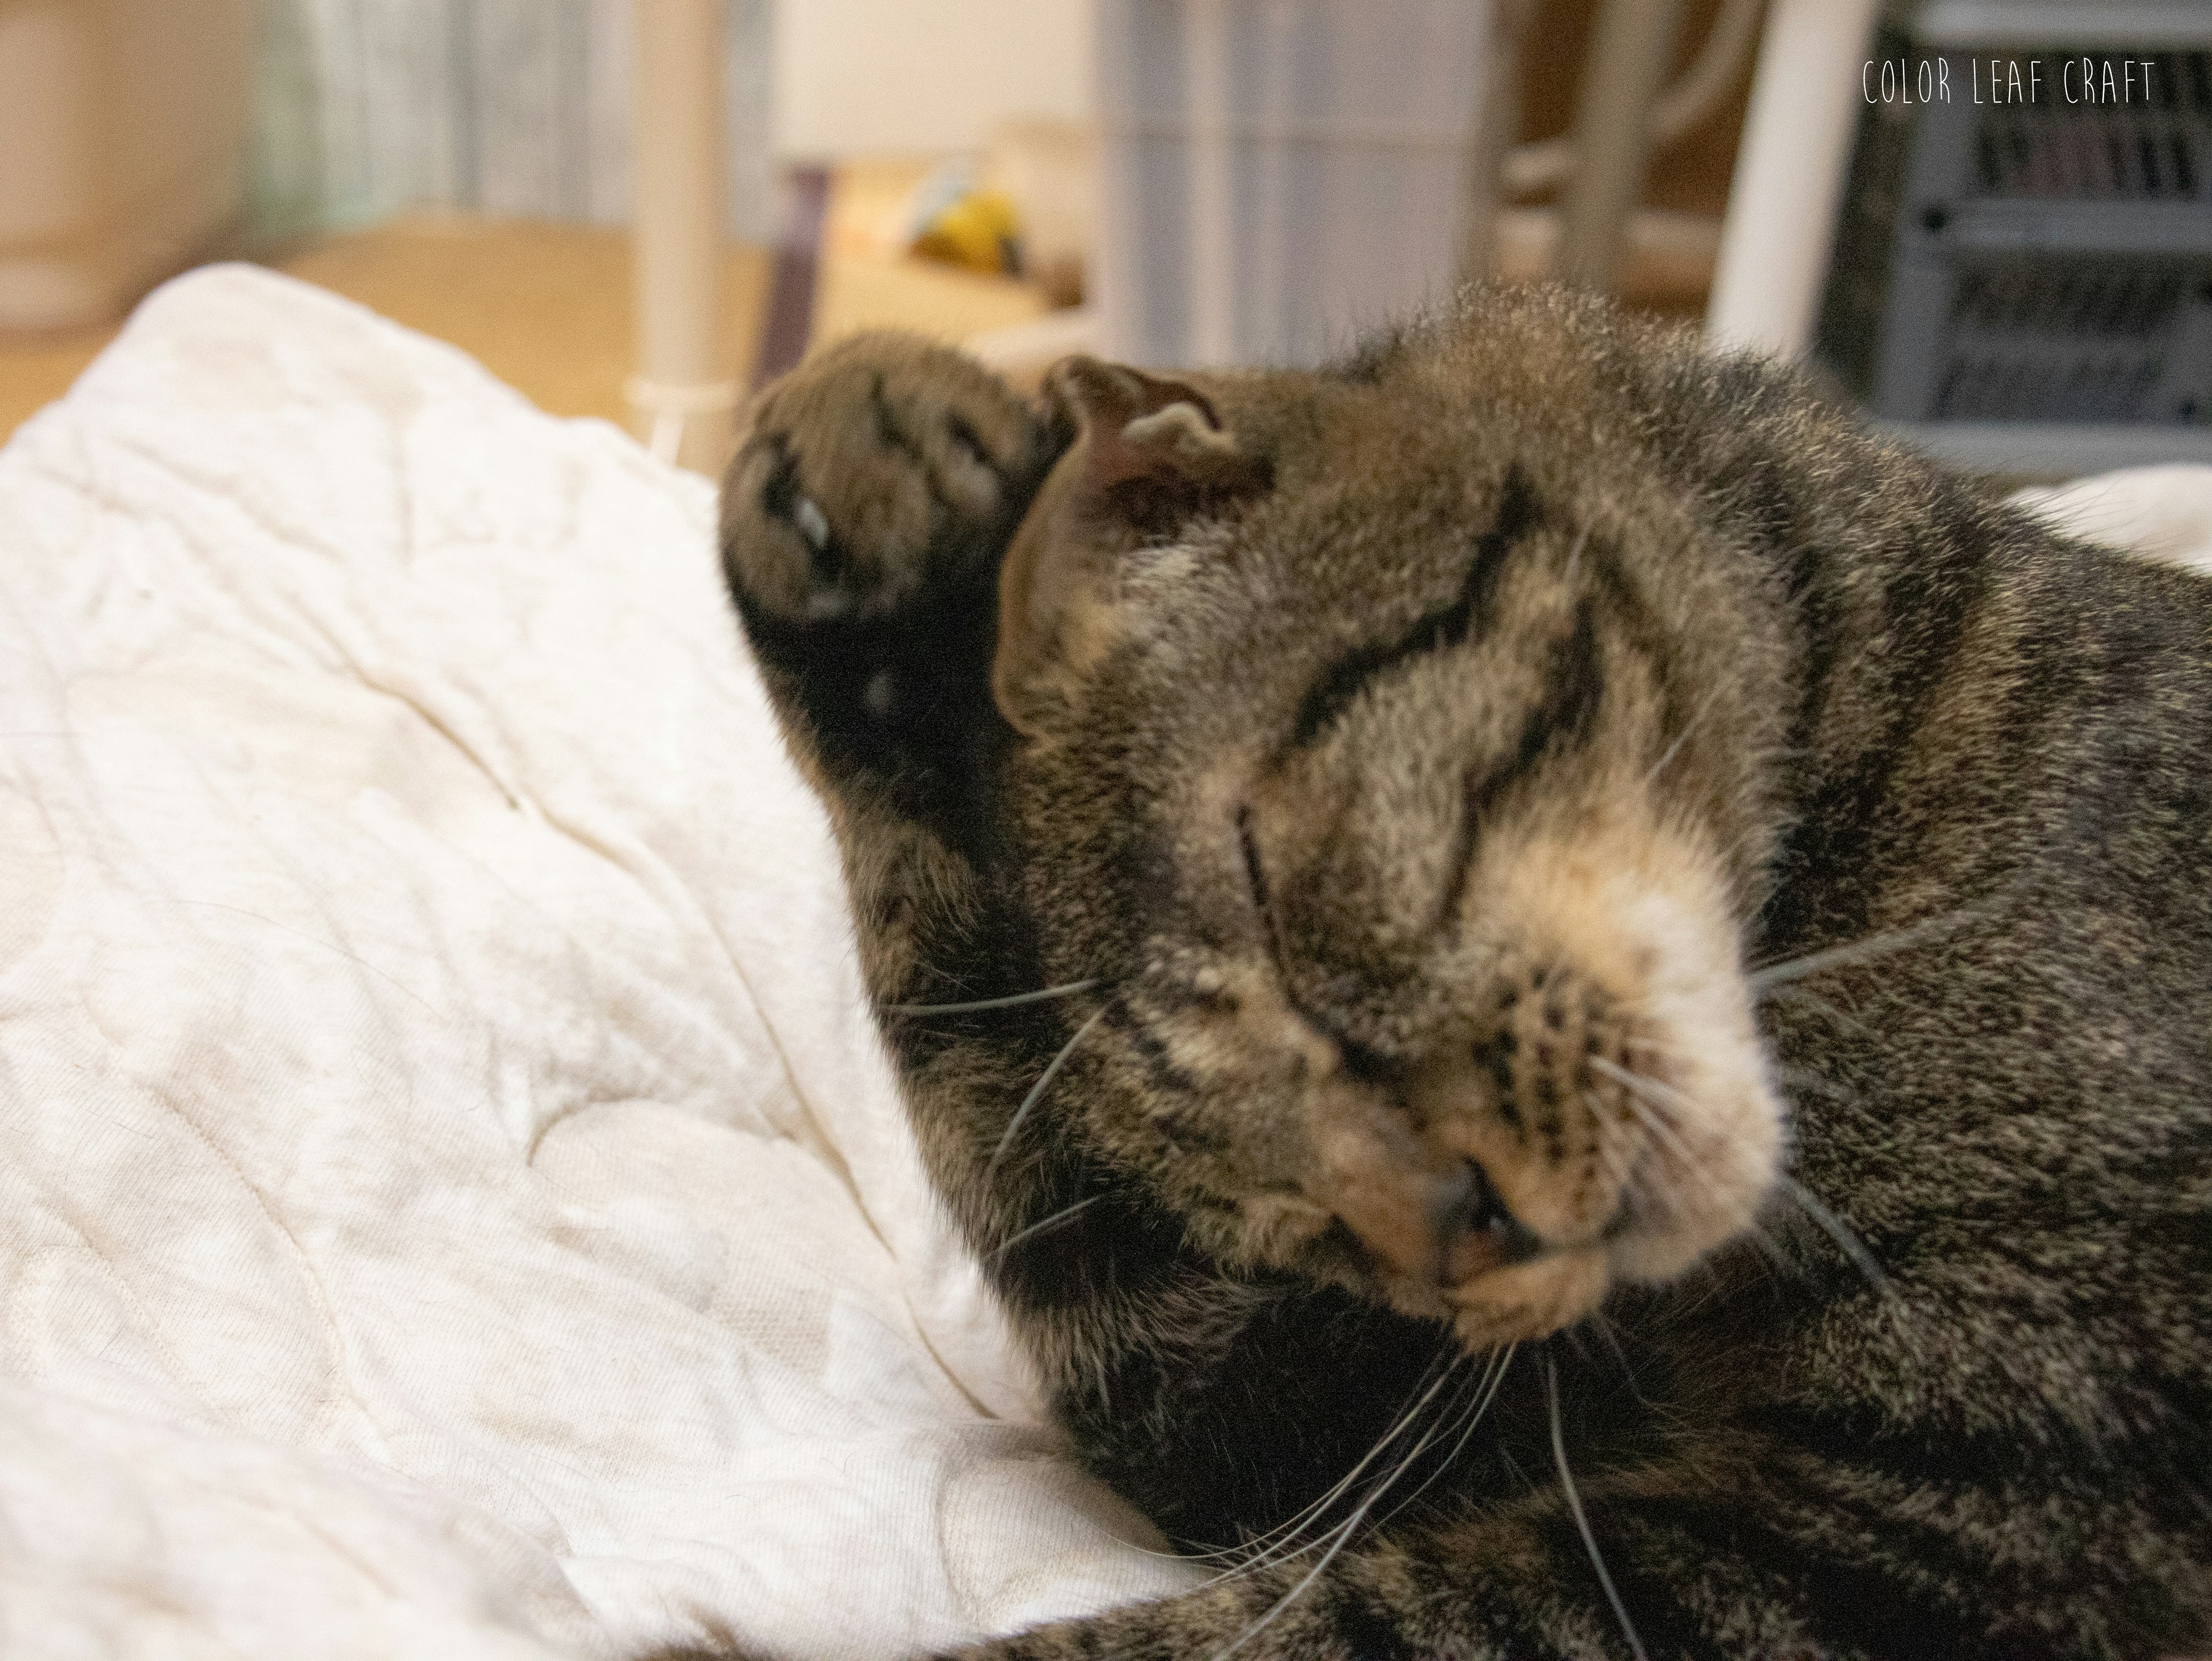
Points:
[(1411, 768)]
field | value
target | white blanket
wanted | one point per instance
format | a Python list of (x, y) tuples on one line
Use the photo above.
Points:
[(452, 1201)]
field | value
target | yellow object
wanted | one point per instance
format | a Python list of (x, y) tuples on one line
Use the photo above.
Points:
[(977, 230)]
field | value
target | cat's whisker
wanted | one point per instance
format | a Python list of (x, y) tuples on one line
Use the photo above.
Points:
[(1803, 1081), (1276, 1544), (1618, 1169), (1582, 1517), (1865, 950), (1651, 1091), (1256, 1552), (1850, 1023), (1484, 1386), (1804, 1078), (1575, 554), (1597, 1321), (1008, 1003), (1343, 1533), (1450, 1420), (1623, 1173), (1040, 1227), (1705, 707), (1487, 1385), (1656, 1046), (1835, 1228), (1036, 1092)]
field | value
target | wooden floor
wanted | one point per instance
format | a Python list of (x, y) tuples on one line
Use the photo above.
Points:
[(36, 370), (546, 308)]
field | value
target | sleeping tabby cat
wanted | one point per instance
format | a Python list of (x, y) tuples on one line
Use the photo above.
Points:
[(1570, 1002)]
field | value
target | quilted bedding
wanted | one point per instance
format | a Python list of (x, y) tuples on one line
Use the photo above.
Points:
[(452, 1201)]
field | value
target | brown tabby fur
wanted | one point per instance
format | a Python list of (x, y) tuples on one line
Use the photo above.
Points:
[(1635, 952)]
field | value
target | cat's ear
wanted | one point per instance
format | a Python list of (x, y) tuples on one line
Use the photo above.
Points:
[(1153, 450), (1145, 455)]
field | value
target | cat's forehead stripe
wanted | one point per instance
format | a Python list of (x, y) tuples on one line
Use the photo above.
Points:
[(1442, 630)]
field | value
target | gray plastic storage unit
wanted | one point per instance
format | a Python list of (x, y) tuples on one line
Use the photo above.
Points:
[(2023, 268)]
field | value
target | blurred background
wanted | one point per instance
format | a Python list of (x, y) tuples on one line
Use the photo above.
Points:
[(639, 208)]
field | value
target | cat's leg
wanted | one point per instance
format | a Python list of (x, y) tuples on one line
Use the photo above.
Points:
[(864, 522), (1510, 1587), (1728, 1548), (1517, 1584), (863, 525)]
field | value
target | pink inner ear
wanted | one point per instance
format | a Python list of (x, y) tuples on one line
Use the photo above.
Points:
[(1167, 466), (1113, 461), (1099, 395), (1159, 394)]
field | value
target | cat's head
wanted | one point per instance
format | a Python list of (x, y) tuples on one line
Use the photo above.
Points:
[(1390, 753)]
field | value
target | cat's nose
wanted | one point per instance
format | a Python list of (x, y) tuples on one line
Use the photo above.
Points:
[(1474, 1230), (1432, 1214), (1442, 1225)]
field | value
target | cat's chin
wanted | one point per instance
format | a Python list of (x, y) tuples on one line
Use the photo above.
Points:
[(1528, 1301), (1523, 1302)]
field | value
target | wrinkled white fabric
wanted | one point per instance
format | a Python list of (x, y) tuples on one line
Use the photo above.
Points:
[(452, 1201)]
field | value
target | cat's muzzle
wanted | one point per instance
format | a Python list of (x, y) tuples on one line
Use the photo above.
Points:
[(1543, 1153)]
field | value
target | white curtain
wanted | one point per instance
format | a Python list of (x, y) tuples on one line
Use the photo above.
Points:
[(365, 107), (1280, 174)]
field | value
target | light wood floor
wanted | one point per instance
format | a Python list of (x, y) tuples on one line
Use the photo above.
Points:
[(546, 308), (36, 370)]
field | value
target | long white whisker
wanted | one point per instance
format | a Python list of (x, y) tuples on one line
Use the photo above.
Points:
[(1651, 1090), (1874, 946), (1618, 1169), (1802, 1082), (1575, 554), (1606, 1330), (1646, 1107), (1646, 1097), (1804, 1078), (1656, 1046), (1343, 1532), (1631, 1081), (1850, 1023), (1277, 1543), (1582, 1518), (1492, 1380), (1836, 1229), (1037, 1090), (1038, 1227), (1705, 705), (1071, 987), (1264, 1546)]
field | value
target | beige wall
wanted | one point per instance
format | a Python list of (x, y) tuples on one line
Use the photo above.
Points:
[(882, 77)]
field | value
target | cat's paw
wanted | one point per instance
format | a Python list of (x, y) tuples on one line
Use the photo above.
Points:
[(878, 470), (864, 522)]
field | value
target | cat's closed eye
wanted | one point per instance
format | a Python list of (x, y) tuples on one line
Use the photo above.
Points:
[(1256, 873)]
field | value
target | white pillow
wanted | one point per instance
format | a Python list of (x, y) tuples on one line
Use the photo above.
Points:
[(2165, 512), (452, 1199)]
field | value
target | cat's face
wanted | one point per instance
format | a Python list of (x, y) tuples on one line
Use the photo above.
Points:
[(1398, 792)]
